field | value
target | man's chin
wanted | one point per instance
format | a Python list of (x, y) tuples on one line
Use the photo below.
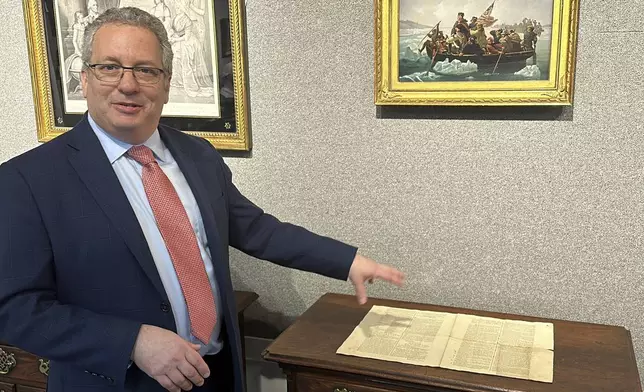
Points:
[(130, 132), (125, 127)]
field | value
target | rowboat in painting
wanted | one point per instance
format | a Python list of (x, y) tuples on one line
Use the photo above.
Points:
[(507, 62)]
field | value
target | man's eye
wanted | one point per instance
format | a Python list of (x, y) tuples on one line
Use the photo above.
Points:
[(149, 71), (108, 67)]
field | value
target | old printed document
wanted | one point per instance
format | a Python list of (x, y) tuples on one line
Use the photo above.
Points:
[(509, 348)]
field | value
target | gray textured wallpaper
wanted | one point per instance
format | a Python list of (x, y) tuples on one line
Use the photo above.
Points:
[(536, 217)]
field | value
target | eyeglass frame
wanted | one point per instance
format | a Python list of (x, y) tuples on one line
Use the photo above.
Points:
[(123, 69)]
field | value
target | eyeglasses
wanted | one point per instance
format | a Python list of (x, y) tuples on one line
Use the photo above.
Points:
[(112, 73)]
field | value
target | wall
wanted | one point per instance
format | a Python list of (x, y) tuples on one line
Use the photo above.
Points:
[(538, 217)]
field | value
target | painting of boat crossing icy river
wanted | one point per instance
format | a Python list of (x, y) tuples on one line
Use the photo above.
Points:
[(474, 40)]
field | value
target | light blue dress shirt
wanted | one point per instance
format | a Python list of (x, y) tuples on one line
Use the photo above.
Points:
[(129, 174)]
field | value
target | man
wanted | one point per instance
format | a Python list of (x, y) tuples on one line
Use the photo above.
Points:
[(473, 23), (471, 47), (479, 36), (529, 39), (114, 253), (461, 26)]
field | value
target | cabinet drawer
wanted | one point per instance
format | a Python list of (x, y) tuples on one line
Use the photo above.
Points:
[(20, 365), (307, 383), (6, 387)]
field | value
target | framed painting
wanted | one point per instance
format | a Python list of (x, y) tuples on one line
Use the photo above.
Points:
[(475, 52), (209, 85)]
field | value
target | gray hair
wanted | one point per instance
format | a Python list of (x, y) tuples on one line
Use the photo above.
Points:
[(130, 16)]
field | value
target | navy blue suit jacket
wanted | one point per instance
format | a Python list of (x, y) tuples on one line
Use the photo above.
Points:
[(77, 279)]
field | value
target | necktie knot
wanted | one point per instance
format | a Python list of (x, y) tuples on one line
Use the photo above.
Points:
[(141, 154)]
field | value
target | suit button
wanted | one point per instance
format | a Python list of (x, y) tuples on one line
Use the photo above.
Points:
[(165, 308)]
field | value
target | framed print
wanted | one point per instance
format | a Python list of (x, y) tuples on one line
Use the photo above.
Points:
[(475, 52), (209, 85)]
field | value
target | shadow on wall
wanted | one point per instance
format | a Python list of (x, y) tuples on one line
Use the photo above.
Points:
[(493, 113), (261, 327), (261, 322)]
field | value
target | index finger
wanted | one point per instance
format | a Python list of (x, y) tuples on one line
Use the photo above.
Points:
[(195, 360), (361, 293)]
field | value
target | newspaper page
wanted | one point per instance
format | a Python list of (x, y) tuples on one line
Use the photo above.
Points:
[(509, 348), (400, 335)]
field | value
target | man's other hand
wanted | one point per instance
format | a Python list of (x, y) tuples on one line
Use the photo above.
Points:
[(163, 355)]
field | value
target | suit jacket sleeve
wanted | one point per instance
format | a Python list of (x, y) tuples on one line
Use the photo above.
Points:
[(262, 235), (31, 317)]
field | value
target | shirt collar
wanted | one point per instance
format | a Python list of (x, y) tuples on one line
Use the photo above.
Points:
[(115, 148)]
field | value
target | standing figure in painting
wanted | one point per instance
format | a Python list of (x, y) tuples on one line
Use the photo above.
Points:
[(460, 32), (191, 72), (461, 25), (78, 29), (529, 39), (92, 12), (74, 63), (196, 11), (480, 36), (161, 11)]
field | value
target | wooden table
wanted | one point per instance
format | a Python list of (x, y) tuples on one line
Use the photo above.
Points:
[(28, 373), (587, 357)]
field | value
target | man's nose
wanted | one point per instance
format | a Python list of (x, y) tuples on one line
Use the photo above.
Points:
[(128, 82)]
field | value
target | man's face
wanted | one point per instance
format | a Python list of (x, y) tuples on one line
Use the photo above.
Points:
[(126, 109)]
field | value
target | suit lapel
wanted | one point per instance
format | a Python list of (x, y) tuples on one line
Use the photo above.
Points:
[(196, 167), (94, 169), (186, 162)]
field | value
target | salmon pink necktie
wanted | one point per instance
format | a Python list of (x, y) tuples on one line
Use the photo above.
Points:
[(180, 239)]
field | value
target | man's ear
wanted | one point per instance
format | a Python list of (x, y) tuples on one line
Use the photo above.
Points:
[(84, 82), (167, 88)]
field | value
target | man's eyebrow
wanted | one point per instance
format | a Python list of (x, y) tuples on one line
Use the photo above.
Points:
[(141, 63)]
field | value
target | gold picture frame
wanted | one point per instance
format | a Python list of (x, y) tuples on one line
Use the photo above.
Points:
[(404, 76), (226, 123)]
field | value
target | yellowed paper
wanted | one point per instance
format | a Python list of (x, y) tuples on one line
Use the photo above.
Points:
[(508, 348), (400, 335)]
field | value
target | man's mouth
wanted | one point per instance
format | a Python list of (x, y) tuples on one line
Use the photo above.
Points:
[(127, 107)]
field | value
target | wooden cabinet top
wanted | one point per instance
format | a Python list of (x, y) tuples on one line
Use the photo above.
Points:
[(587, 357), (243, 299)]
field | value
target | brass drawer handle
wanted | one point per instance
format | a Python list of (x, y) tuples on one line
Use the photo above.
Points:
[(341, 390), (7, 362), (44, 366)]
